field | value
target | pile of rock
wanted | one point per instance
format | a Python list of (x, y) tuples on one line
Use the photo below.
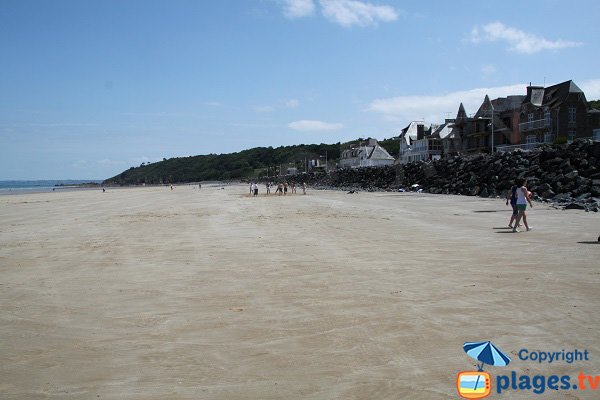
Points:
[(361, 179), (567, 176)]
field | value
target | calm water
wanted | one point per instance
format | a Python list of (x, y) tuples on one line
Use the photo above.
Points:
[(10, 187)]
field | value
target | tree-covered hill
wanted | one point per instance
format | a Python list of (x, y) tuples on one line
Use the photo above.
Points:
[(254, 162)]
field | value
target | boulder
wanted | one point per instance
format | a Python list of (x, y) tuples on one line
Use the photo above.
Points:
[(574, 206), (571, 175)]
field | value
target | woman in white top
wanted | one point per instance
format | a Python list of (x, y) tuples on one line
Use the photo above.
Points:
[(523, 197)]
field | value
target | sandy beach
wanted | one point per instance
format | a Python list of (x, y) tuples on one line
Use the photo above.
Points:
[(151, 293)]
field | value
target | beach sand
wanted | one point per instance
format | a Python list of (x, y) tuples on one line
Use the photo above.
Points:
[(148, 293)]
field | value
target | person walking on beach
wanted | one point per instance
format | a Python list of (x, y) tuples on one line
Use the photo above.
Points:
[(523, 197), (293, 188), (280, 188), (285, 186), (251, 188), (268, 185), (303, 187), (512, 198)]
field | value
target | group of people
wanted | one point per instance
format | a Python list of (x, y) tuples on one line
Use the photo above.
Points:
[(518, 197), (281, 188)]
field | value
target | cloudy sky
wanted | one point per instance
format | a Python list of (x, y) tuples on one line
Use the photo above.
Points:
[(90, 88)]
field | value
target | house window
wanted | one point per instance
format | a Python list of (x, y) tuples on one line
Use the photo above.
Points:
[(547, 116), (572, 114), (530, 117), (531, 139), (548, 137), (570, 136)]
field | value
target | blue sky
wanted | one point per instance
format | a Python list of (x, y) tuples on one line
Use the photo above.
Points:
[(90, 88)]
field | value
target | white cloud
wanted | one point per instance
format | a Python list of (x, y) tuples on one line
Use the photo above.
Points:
[(591, 89), (354, 12), (298, 8), (292, 103), (404, 109), (435, 108), (519, 41), (308, 125)]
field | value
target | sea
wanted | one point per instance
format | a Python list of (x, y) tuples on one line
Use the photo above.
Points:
[(16, 187)]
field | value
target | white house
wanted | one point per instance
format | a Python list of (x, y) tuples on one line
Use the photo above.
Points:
[(411, 144), (365, 154)]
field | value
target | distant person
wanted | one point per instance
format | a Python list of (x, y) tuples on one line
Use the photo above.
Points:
[(251, 187), (103, 190), (293, 188), (511, 197), (171, 187), (268, 185), (280, 188), (255, 190), (285, 187), (199, 186), (523, 197), (304, 187)]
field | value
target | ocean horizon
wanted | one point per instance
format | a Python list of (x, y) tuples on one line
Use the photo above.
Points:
[(41, 185)]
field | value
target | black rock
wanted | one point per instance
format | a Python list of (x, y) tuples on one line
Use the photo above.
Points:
[(574, 206)]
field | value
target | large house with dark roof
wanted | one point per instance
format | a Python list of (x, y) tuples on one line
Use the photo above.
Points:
[(543, 115), (556, 111), (496, 123)]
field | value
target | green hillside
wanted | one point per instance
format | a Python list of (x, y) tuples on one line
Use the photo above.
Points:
[(244, 164)]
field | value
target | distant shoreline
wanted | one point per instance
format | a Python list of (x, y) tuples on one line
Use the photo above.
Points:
[(22, 188), (46, 185)]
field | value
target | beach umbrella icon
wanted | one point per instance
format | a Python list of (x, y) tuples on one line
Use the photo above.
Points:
[(487, 353)]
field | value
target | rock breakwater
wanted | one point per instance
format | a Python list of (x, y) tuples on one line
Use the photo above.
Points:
[(567, 176)]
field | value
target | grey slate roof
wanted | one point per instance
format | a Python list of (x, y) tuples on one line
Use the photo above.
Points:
[(552, 96)]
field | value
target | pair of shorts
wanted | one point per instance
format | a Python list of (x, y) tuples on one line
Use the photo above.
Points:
[(521, 207), (515, 209)]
